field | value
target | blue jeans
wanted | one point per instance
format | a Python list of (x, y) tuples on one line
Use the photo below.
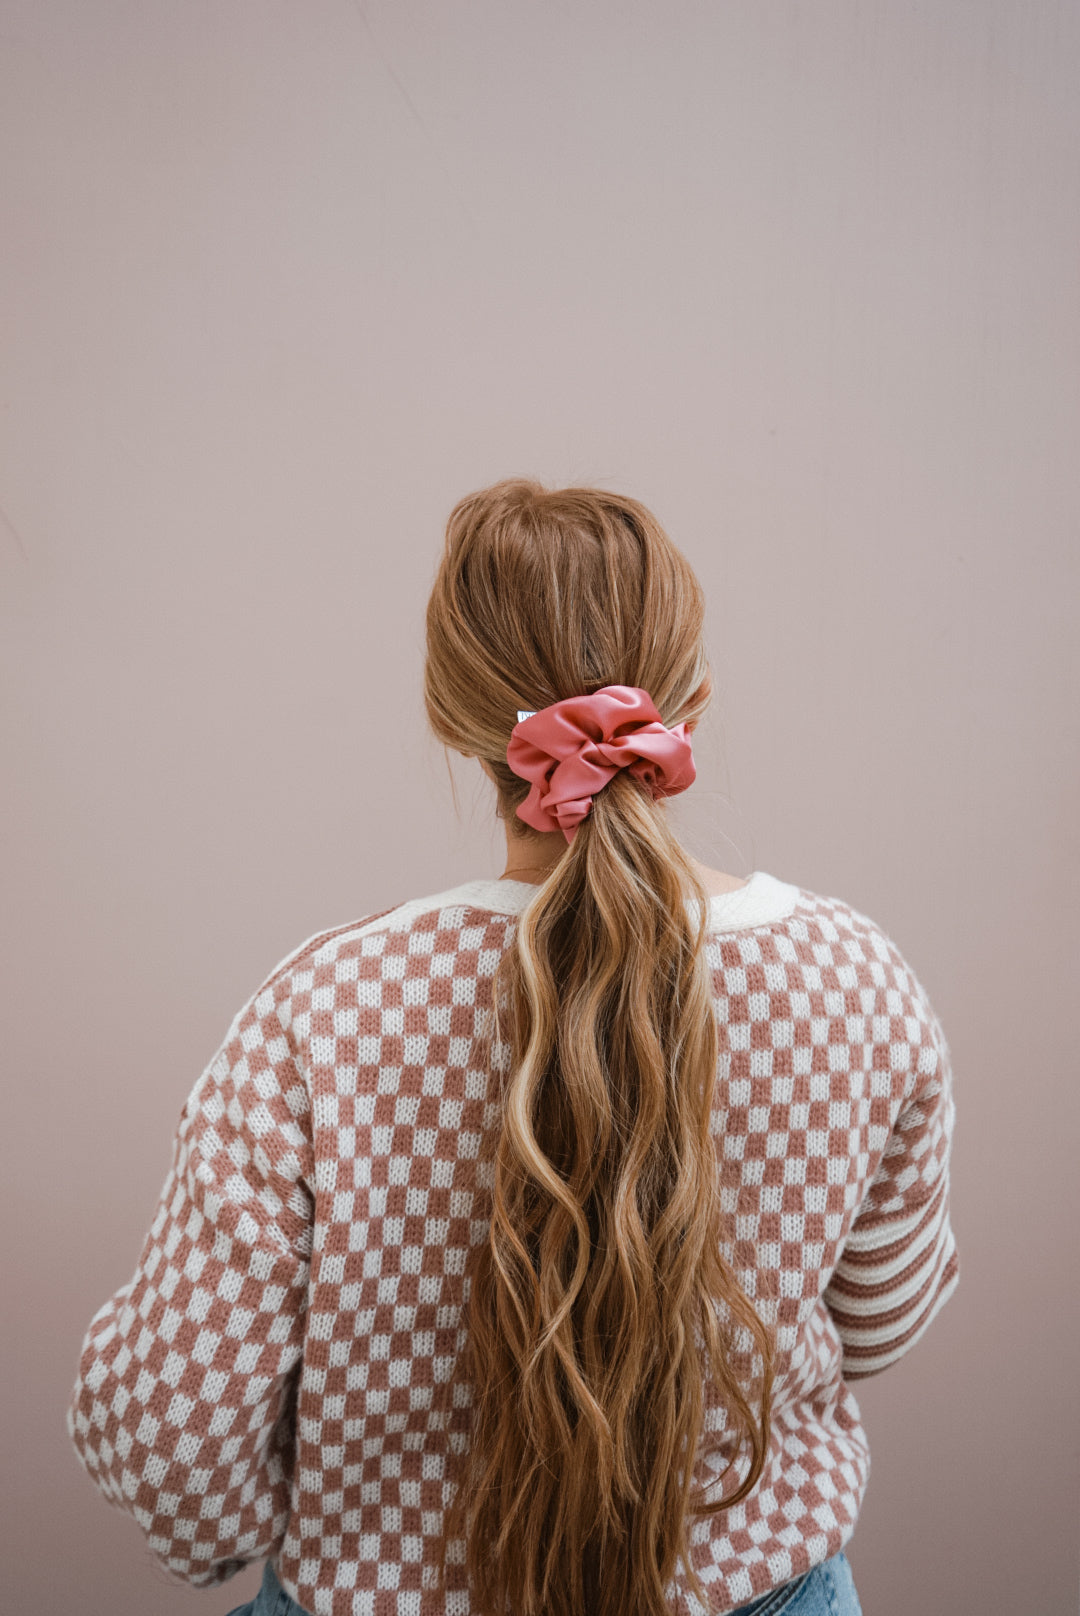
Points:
[(827, 1590), (271, 1599)]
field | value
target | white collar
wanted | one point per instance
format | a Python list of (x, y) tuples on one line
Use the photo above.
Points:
[(761, 901)]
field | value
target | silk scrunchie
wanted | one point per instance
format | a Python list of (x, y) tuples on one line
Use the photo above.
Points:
[(570, 750)]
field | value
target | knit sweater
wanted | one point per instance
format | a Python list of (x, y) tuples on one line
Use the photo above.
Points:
[(278, 1377)]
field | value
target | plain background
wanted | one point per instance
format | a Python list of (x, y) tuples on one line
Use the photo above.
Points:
[(280, 283)]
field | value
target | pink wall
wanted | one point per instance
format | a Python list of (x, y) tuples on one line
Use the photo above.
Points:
[(280, 283)]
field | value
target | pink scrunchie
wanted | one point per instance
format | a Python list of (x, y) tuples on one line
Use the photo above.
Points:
[(571, 749)]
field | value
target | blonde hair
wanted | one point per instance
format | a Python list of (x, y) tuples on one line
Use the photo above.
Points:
[(594, 1308)]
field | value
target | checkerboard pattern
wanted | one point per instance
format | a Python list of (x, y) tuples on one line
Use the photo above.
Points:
[(278, 1378)]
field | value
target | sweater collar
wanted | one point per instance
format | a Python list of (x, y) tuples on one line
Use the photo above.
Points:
[(763, 900)]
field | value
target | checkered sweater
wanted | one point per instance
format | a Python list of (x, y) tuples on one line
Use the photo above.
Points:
[(278, 1377)]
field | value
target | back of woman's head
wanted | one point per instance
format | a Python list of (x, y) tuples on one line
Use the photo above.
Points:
[(601, 1299)]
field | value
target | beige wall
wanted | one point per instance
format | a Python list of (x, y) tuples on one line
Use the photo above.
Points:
[(279, 283)]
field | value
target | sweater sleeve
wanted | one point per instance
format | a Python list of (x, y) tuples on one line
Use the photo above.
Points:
[(899, 1265), (181, 1409)]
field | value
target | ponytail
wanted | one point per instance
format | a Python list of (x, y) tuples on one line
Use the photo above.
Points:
[(601, 1303)]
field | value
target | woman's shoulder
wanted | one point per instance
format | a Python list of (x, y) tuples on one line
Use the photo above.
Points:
[(478, 914)]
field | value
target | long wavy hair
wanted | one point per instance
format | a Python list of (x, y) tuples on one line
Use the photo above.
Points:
[(601, 1298)]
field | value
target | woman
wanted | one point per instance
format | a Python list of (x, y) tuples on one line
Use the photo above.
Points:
[(521, 1241)]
